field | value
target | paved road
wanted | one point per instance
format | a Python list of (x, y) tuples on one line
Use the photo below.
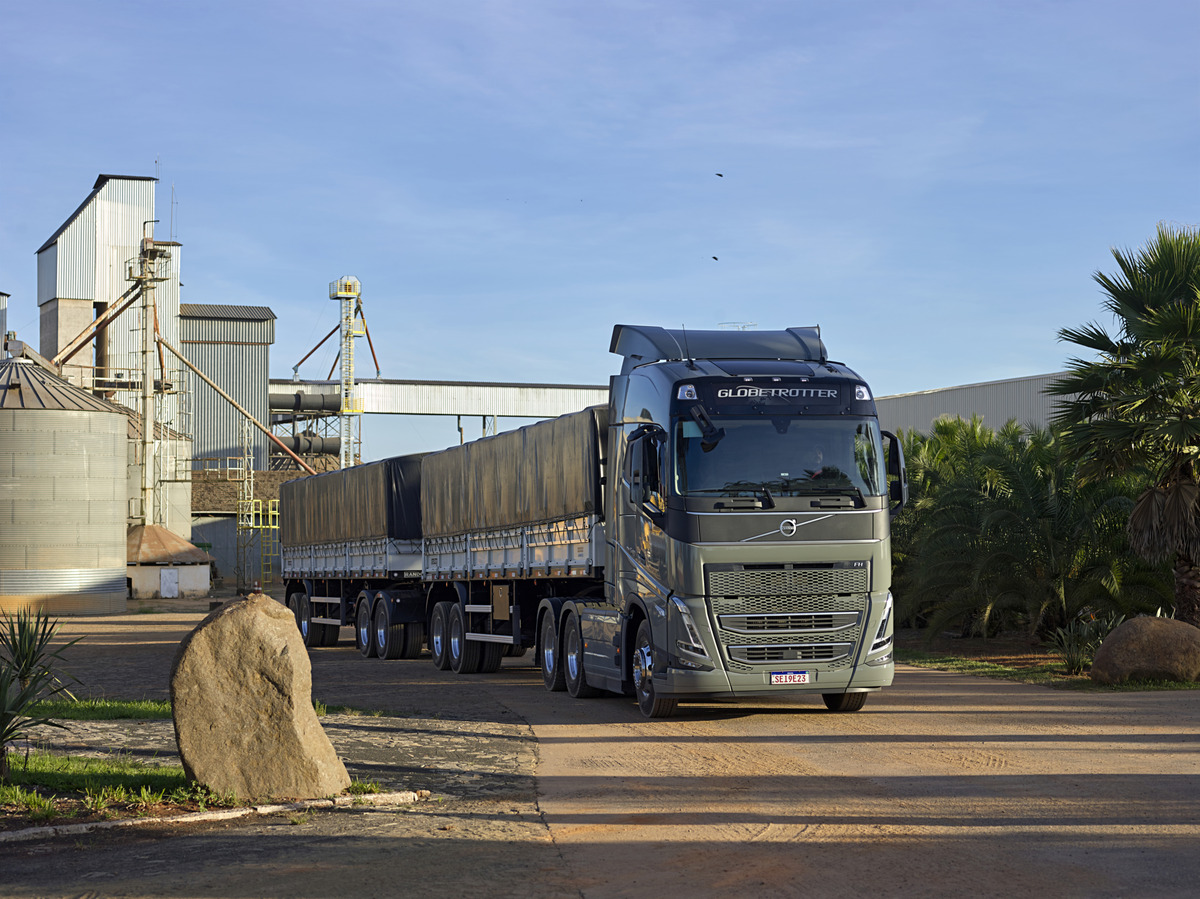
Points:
[(943, 786)]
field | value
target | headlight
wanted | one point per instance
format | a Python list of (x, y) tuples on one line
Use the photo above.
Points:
[(883, 636), (688, 641)]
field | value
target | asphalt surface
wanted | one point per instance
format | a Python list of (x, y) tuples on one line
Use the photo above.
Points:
[(945, 785)]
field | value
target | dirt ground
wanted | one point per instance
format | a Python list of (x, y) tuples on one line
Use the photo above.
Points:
[(944, 785)]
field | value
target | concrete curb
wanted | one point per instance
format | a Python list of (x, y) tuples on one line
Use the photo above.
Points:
[(368, 800)]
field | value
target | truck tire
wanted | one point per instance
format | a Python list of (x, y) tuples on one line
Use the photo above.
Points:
[(363, 639), (414, 638), (577, 684), (388, 637), (490, 657), (333, 633), (550, 658), (515, 651), (643, 676), (464, 653), (844, 702), (439, 636)]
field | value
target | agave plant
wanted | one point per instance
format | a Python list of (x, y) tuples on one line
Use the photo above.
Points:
[(25, 647), (17, 701)]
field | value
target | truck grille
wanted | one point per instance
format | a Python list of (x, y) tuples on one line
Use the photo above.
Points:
[(818, 652), (788, 614), (750, 624)]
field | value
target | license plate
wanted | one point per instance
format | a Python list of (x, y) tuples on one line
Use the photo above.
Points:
[(789, 677)]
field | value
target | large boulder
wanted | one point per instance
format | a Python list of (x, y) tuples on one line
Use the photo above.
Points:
[(241, 696), (1149, 649)]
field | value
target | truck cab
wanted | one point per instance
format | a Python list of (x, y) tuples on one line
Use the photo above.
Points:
[(747, 502)]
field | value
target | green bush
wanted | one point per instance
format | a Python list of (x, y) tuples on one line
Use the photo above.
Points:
[(1076, 644)]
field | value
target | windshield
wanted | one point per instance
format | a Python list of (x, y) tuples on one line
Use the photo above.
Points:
[(783, 456)]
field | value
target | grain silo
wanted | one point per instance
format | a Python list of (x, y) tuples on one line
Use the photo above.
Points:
[(62, 495)]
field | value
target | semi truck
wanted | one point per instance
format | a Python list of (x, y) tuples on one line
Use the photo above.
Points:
[(719, 530)]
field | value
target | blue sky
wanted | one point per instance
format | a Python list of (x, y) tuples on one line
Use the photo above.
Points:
[(931, 182)]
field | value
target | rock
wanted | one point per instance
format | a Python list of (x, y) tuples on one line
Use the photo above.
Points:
[(1149, 649), (241, 696)]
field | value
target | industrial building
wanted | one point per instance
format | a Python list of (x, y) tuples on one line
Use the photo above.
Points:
[(170, 389)]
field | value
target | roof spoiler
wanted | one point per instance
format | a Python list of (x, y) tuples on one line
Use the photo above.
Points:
[(640, 344)]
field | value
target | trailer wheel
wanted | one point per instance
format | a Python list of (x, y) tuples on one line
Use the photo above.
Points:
[(551, 661), (293, 604), (414, 637), (310, 633), (333, 633), (362, 627), (516, 652), (844, 702), (464, 653), (490, 657), (439, 636), (577, 684), (643, 676), (389, 638)]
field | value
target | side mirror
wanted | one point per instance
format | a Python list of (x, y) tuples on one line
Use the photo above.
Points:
[(897, 474)]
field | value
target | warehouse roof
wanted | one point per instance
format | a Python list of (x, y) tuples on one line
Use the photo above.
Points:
[(237, 313)]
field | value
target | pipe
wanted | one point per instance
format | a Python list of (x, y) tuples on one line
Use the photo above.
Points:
[(305, 402), (225, 396), (301, 443)]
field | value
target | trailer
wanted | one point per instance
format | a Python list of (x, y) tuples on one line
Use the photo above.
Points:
[(719, 530)]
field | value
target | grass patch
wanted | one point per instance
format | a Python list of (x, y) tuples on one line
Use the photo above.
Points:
[(82, 775), (103, 709), (363, 787), (1046, 674), (351, 711), (49, 788)]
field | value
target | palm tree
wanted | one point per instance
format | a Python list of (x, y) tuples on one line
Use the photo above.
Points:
[(1003, 532), (1135, 408)]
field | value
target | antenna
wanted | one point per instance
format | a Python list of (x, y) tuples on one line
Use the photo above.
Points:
[(174, 206), (687, 353)]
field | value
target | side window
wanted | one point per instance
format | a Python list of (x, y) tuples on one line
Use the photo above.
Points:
[(644, 473), (654, 458)]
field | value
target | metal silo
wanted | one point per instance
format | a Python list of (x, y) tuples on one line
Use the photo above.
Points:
[(62, 495)]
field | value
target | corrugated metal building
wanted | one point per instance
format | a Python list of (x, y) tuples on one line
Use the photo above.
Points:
[(1023, 399), (83, 268), (62, 495), (230, 344)]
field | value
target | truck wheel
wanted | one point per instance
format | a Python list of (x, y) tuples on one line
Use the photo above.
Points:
[(414, 637), (439, 636), (552, 669), (577, 684), (389, 638), (362, 627), (490, 657), (514, 651), (333, 633), (844, 702), (643, 677), (464, 653)]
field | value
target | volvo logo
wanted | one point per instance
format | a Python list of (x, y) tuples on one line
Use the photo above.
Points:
[(788, 527)]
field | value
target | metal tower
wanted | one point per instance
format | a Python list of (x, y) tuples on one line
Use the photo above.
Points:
[(348, 291)]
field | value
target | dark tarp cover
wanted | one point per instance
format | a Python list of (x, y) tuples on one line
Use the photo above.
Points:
[(379, 499), (542, 472)]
